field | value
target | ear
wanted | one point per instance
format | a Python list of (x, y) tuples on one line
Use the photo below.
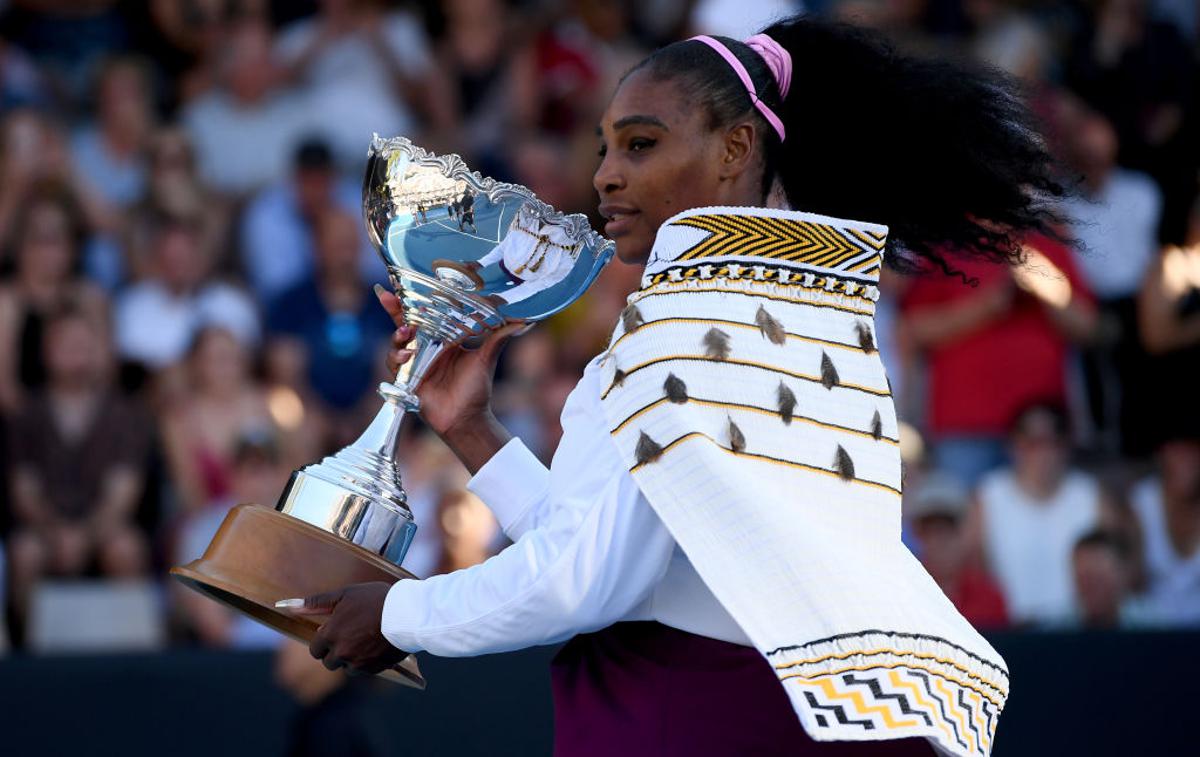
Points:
[(738, 150)]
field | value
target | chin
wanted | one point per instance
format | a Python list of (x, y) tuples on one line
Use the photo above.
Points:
[(633, 251)]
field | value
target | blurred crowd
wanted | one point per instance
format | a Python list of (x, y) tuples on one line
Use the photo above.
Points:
[(185, 285)]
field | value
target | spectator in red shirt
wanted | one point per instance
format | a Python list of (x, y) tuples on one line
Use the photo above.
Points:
[(934, 512), (994, 348)]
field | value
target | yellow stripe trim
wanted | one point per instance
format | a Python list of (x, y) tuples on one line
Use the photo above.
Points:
[(897, 653), (734, 324), (765, 459), (747, 364), (754, 409), (673, 287)]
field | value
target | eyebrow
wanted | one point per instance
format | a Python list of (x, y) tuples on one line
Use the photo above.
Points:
[(634, 120)]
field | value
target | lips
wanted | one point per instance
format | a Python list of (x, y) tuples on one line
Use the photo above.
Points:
[(620, 218)]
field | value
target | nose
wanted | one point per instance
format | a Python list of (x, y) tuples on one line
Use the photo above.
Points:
[(607, 178)]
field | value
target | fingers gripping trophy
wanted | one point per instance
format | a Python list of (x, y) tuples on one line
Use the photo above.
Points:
[(468, 256)]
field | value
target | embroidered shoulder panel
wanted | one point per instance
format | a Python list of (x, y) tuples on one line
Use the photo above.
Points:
[(802, 242)]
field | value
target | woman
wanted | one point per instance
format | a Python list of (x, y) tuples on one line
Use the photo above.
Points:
[(201, 434), (728, 477), (48, 240)]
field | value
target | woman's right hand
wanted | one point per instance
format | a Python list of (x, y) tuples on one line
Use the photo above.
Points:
[(456, 393)]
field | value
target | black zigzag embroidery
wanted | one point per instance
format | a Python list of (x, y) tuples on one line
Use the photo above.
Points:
[(879, 694), (838, 712), (970, 716), (941, 706)]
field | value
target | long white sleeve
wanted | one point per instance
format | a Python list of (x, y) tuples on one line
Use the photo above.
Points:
[(516, 486), (597, 550)]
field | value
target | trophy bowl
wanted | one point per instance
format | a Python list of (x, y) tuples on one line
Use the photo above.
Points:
[(466, 254)]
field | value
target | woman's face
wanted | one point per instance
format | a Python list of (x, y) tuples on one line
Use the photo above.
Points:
[(220, 362), (658, 157), (46, 252)]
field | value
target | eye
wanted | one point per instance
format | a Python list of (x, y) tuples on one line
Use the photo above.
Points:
[(602, 151), (640, 144)]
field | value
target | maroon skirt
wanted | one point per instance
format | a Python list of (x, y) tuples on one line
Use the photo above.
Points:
[(646, 690)]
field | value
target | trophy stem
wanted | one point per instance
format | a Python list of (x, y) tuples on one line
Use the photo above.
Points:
[(403, 391)]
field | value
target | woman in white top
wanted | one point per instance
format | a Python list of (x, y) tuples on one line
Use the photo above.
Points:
[(1167, 507), (719, 531), (1029, 516)]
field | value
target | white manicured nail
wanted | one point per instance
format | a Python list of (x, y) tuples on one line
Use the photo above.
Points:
[(290, 604)]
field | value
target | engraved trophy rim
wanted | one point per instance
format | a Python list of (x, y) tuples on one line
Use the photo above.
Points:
[(454, 166)]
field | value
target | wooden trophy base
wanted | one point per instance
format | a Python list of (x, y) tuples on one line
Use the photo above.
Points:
[(260, 556)]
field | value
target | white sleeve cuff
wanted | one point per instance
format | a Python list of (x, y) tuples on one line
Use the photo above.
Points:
[(402, 604), (511, 484)]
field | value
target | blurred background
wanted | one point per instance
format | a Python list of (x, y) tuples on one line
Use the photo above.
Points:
[(186, 316)]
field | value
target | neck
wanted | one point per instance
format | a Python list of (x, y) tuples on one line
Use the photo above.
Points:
[(38, 289), (73, 388), (341, 289), (1039, 487)]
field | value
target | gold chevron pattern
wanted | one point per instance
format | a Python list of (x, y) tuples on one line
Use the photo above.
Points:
[(800, 242), (900, 698)]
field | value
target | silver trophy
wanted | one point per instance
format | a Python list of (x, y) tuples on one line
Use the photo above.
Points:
[(466, 254)]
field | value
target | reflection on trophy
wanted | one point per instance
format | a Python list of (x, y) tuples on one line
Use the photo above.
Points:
[(466, 254)]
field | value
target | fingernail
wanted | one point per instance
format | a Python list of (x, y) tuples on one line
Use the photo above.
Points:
[(379, 290), (290, 604)]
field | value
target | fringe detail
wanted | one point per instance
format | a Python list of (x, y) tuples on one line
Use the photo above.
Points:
[(618, 377), (770, 326), (843, 465), (647, 449), (737, 440), (866, 339), (829, 374), (787, 403), (716, 344), (631, 318), (676, 390)]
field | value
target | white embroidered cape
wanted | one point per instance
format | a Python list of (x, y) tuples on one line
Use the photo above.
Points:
[(744, 391)]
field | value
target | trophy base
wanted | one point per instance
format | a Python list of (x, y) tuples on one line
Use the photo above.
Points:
[(260, 556)]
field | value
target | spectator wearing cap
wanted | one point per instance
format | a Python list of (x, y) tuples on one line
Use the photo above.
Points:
[(278, 227), (935, 511), (1101, 567), (1029, 515), (78, 454), (156, 319)]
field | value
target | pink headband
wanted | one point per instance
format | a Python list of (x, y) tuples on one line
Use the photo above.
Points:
[(777, 59)]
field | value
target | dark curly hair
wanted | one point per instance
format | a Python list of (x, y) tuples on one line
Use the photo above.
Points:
[(944, 153)]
